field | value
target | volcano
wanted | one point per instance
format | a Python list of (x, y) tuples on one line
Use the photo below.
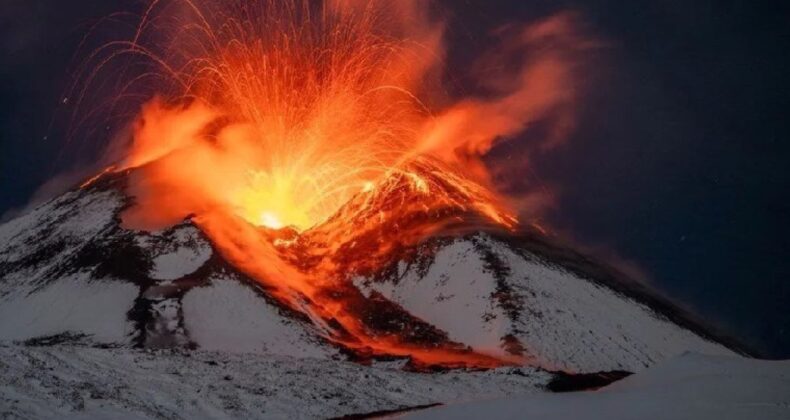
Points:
[(308, 210), (71, 272), (119, 322)]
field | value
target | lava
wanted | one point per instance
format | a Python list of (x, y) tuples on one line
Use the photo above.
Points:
[(311, 142)]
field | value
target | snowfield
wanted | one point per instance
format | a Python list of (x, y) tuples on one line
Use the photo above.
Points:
[(691, 386), (80, 382), (67, 381), (73, 304), (227, 316)]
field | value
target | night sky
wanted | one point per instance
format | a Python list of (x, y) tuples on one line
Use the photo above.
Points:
[(678, 162)]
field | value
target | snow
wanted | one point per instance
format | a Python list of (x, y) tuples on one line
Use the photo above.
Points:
[(583, 326), (455, 295), (74, 304), (229, 316), (34, 302), (76, 382), (49, 288), (67, 222), (177, 264), (565, 322), (691, 386), (86, 215), (96, 210), (176, 253), (73, 382)]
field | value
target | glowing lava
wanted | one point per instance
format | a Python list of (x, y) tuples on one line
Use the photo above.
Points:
[(271, 220), (316, 116)]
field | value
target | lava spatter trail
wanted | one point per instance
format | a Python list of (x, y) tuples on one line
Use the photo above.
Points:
[(312, 140)]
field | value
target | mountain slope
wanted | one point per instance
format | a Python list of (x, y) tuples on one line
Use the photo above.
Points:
[(69, 269), (484, 293)]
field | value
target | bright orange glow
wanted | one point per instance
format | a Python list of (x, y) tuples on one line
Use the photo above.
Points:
[(313, 118), (271, 220), (94, 178)]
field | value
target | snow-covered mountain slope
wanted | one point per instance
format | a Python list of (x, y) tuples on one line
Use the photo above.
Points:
[(228, 316), (691, 386), (83, 382), (497, 299), (70, 267), (39, 293)]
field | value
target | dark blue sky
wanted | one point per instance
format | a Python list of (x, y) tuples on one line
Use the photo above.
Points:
[(679, 161)]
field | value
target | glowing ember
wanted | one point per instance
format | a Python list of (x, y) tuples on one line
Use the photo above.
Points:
[(311, 119)]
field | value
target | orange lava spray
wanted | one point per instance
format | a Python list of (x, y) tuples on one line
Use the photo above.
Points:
[(320, 118)]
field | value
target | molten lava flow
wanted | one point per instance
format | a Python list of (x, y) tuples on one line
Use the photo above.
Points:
[(300, 137)]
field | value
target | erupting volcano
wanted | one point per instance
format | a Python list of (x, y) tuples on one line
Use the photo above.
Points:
[(315, 153), (337, 209), (311, 142)]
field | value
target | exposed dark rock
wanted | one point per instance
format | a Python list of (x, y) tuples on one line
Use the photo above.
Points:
[(385, 413), (570, 382), (52, 340)]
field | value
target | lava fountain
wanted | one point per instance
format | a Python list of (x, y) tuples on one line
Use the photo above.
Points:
[(310, 140)]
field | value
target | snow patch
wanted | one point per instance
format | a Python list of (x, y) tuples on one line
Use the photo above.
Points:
[(230, 316), (176, 253), (454, 295), (75, 305)]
